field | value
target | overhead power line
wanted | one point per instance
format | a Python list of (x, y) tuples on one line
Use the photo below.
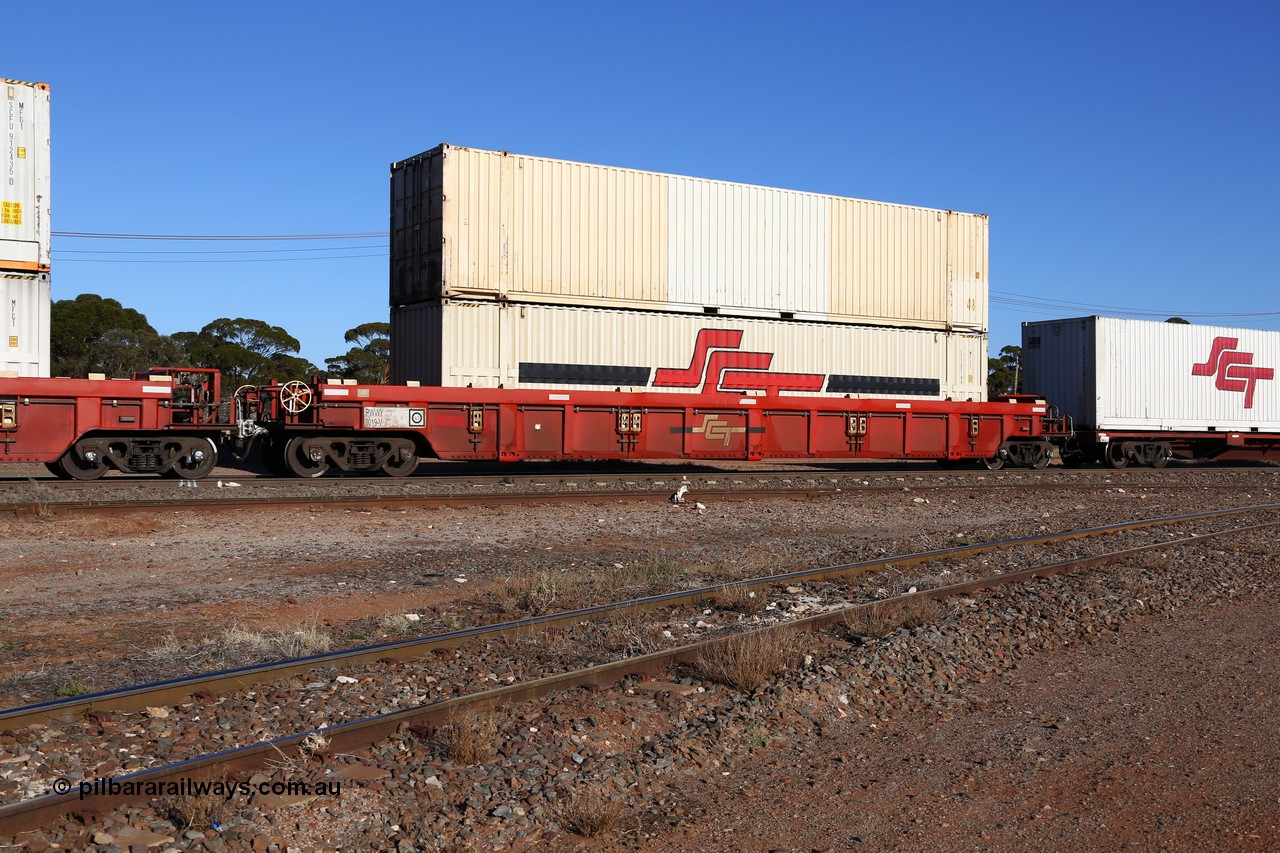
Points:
[(358, 235), (148, 256), (998, 297), (215, 260), (61, 252), (1025, 301)]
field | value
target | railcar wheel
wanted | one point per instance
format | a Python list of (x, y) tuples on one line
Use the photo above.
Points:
[(91, 466), (197, 460), (1114, 456), (1160, 461), (56, 470), (301, 461), (995, 463), (1042, 461), (401, 463)]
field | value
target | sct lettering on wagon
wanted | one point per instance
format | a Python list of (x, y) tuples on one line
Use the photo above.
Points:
[(394, 417)]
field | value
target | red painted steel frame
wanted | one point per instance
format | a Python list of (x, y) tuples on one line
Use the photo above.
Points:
[(52, 413), (49, 415), (509, 425), (1219, 444), (41, 418)]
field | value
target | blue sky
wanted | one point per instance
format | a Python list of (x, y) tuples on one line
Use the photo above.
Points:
[(1127, 153)]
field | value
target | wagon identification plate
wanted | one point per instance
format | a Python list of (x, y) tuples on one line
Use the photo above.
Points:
[(394, 417)]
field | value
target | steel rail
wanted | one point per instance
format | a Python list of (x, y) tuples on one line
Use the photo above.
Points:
[(650, 471), (177, 690), (736, 493), (312, 501), (356, 735), (467, 472)]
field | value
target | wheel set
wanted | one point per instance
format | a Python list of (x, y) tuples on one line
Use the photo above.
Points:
[(309, 457), (180, 457)]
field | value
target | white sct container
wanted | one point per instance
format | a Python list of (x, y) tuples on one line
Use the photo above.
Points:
[(1112, 374), (486, 344)]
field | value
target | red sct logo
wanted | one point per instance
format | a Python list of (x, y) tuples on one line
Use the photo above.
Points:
[(1231, 367), (718, 365)]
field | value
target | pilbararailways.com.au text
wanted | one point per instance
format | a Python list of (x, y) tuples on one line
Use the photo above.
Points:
[(185, 787)]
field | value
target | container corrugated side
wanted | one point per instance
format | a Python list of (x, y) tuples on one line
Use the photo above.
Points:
[(467, 223), (24, 327), (1119, 374), (486, 344), (24, 187)]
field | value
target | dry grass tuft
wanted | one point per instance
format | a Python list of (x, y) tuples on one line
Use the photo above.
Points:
[(591, 813), (919, 612), (576, 586), (651, 574), (41, 502), (536, 594), (298, 765), (74, 687), (469, 738), (398, 624), (738, 598), (749, 661), (632, 633), (198, 812), (872, 620), (239, 642), (933, 581), (883, 617), (237, 646)]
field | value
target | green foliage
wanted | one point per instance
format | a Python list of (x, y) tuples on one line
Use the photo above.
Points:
[(368, 361), (1004, 373), (122, 352), (248, 352), (1178, 320), (256, 336), (90, 334)]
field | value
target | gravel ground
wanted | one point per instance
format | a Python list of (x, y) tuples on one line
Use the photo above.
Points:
[(894, 731)]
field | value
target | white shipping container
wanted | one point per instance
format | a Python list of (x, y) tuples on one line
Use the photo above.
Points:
[(24, 185), (24, 329), (486, 344), (475, 224), (1112, 374)]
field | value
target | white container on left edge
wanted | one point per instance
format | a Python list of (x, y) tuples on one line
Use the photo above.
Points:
[(24, 176), (24, 324)]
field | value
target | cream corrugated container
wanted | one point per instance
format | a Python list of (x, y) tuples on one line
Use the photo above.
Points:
[(1113, 374), (24, 328), (24, 185), (478, 224), (486, 344)]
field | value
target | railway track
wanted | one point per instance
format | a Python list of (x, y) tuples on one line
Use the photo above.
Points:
[(468, 473), (53, 497), (356, 733)]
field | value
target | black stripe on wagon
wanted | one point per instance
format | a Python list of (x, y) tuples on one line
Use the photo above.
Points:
[(883, 385), (583, 374)]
